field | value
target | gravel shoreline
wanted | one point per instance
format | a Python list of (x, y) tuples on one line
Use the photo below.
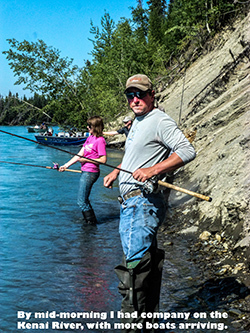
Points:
[(224, 270)]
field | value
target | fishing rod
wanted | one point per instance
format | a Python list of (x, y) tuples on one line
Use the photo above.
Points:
[(183, 190), (55, 166), (65, 151), (165, 184)]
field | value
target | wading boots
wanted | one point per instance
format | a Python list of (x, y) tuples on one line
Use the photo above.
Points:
[(89, 216), (140, 287)]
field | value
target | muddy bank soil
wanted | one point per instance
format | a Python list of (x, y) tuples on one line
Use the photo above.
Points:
[(223, 275)]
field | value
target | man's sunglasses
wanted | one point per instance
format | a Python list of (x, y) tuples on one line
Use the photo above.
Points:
[(138, 94)]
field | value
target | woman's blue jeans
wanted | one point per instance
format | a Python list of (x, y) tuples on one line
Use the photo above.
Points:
[(140, 218), (87, 180)]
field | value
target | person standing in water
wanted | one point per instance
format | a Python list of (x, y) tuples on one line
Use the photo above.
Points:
[(154, 146), (93, 148)]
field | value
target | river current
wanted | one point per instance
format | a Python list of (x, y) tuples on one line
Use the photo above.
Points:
[(57, 271)]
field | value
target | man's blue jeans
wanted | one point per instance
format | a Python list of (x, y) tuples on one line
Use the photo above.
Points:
[(140, 218), (87, 180)]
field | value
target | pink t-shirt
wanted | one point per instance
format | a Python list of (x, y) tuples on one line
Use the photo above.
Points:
[(93, 148)]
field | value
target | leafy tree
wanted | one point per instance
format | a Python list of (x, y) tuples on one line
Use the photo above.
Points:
[(218, 12), (113, 56), (41, 69), (140, 22), (157, 13), (152, 41)]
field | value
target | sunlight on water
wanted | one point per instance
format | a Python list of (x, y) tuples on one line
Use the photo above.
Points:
[(50, 261)]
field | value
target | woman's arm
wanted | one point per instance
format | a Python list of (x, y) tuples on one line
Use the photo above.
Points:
[(72, 161), (101, 159)]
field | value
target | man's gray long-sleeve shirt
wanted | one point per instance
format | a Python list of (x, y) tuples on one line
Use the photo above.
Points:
[(152, 138)]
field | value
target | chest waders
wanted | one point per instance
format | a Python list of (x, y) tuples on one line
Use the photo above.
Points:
[(140, 288)]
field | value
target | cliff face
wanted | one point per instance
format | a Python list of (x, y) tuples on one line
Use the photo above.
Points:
[(212, 102)]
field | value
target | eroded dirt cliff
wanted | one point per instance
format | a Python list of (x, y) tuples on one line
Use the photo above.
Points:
[(213, 97), (211, 104)]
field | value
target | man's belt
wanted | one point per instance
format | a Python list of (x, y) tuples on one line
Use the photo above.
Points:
[(129, 195)]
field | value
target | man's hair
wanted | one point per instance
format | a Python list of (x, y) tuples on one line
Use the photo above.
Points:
[(96, 123)]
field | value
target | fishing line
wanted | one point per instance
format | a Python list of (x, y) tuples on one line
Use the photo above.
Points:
[(65, 151), (55, 166), (174, 187), (32, 165)]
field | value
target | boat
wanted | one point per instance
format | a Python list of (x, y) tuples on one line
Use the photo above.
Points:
[(62, 139)]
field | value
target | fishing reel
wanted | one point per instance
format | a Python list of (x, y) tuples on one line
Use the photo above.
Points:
[(55, 166), (150, 185)]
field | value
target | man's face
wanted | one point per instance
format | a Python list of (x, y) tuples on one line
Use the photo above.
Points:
[(142, 105)]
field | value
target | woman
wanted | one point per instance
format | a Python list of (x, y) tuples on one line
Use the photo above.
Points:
[(94, 148)]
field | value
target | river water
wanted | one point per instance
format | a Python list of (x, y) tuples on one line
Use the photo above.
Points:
[(51, 263)]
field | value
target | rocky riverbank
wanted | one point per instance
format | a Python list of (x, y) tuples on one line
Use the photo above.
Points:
[(211, 103), (224, 277)]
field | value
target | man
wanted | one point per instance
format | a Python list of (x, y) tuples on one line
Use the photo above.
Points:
[(155, 146), (124, 130)]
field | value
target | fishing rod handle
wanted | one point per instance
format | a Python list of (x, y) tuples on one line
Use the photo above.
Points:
[(180, 189), (65, 151), (71, 170)]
